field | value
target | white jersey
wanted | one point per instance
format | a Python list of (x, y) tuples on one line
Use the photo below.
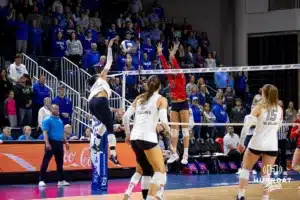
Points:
[(99, 86), (145, 120), (265, 136)]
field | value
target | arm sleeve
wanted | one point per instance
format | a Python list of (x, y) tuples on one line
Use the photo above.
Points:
[(109, 59), (175, 63), (163, 62), (243, 135), (163, 116), (126, 119)]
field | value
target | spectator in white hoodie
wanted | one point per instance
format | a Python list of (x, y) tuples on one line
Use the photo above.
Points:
[(17, 70), (74, 49), (44, 111)]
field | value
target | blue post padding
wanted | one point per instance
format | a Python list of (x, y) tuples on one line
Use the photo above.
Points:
[(99, 166)]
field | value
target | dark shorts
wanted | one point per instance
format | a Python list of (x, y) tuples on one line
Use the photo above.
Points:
[(179, 106), (100, 109), (139, 148), (269, 153)]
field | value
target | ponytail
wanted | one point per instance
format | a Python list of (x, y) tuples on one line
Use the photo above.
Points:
[(271, 95), (153, 85)]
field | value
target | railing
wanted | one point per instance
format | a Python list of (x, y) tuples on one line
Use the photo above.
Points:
[(83, 88), (31, 65), (52, 94), (74, 96), (70, 73), (82, 120), (51, 80)]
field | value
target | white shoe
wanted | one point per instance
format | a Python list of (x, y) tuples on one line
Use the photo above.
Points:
[(184, 160), (238, 172), (160, 195), (173, 158), (284, 173), (254, 172), (63, 183), (42, 184)]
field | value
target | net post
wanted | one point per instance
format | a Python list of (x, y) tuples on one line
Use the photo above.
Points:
[(123, 90)]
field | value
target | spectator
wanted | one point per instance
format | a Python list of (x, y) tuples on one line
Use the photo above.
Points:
[(23, 96), (238, 113), (74, 49), (216, 58), (204, 96), (192, 41), (240, 85), (69, 29), (26, 134), (112, 32), (5, 87), (44, 111), (22, 29), (200, 60), (231, 141), (59, 46), (149, 49), (153, 17), (56, 4), (17, 69), (221, 116), (189, 87), (84, 21), (156, 33), (36, 39), (100, 65), (40, 92), (119, 129), (65, 106), (197, 117), (87, 134), (91, 59), (200, 83), (229, 98), (11, 110), (76, 15), (68, 133), (210, 62), (290, 113), (88, 40), (6, 135), (189, 57), (147, 64), (136, 6), (221, 79), (208, 117), (96, 21)]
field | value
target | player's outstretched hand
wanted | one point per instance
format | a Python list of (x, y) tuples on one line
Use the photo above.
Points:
[(159, 48), (111, 42)]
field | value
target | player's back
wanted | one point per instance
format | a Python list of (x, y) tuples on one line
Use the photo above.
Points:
[(265, 136), (146, 120)]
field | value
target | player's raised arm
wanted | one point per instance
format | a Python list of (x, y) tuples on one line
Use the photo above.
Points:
[(109, 59)]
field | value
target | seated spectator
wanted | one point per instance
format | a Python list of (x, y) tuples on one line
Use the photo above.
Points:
[(189, 87), (229, 98), (6, 135), (23, 96), (17, 70), (44, 111), (200, 83), (74, 49), (26, 134), (68, 133), (208, 117), (87, 134), (65, 106), (221, 116), (119, 129), (91, 58), (238, 113), (40, 92), (147, 64), (36, 39), (11, 110), (210, 62), (231, 141)]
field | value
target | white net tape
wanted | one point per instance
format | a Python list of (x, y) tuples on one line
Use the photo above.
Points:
[(219, 124)]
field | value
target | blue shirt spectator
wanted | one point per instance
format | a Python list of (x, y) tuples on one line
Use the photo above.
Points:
[(6, 135), (196, 110), (91, 58), (59, 46), (112, 32), (120, 62), (35, 35), (65, 106), (241, 82), (147, 64), (24, 137), (219, 111), (40, 91), (26, 134), (55, 29), (22, 30), (149, 49), (221, 79), (54, 127)]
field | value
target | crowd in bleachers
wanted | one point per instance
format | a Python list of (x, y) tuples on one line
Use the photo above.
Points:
[(65, 28)]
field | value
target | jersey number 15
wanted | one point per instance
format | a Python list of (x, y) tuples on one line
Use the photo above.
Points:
[(272, 115)]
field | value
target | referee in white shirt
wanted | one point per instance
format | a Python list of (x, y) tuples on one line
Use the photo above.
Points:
[(282, 140)]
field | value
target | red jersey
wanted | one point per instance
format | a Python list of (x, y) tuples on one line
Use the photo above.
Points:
[(177, 81), (294, 134)]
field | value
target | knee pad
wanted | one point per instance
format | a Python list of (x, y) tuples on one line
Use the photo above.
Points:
[(145, 182), (112, 141), (185, 132), (174, 133), (135, 178), (158, 179), (296, 168), (244, 174)]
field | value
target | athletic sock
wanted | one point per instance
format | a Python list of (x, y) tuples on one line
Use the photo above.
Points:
[(265, 197), (113, 151), (145, 193), (241, 193), (186, 151), (133, 182), (150, 198)]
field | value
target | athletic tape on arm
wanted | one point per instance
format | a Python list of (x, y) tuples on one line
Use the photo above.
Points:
[(163, 116), (126, 119)]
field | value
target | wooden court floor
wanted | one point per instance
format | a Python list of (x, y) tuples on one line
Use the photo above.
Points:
[(289, 191)]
